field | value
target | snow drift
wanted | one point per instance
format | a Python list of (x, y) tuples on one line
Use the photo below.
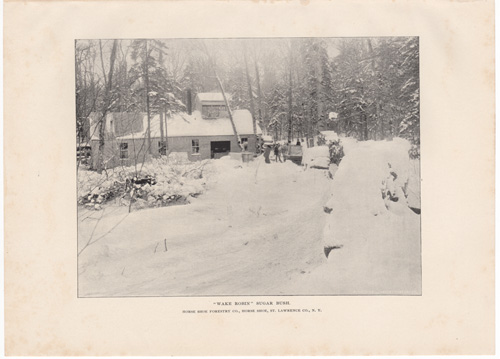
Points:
[(316, 157), (371, 181), (371, 232)]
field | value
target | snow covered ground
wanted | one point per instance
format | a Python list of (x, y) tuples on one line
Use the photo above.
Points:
[(257, 228), (261, 229)]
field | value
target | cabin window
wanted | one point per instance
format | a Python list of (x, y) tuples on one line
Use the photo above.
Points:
[(162, 147), (244, 143), (123, 150), (195, 146)]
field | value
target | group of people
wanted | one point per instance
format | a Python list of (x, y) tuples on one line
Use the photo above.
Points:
[(277, 149), (280, 150)]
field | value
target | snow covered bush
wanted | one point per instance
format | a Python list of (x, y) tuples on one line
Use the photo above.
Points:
[(394, 188), (158, 182), (414, 152), (95, 189), (321, 140), (332, 140), (336, 151)]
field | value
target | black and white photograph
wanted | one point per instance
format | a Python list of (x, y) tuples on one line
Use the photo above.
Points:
[(248, 167)]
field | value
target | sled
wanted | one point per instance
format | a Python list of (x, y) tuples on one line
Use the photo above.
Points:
[(293, 153)]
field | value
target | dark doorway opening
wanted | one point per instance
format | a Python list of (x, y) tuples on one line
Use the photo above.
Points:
[(219, 148)]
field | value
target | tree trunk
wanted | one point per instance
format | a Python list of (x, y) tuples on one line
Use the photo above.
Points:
[(379, 119), (250, 92), (305, 122), (107, 102), (290, 96), (238, 139), (365, 126), (162, 143), (214, 69), (309, 128), (146, 72), (319, 99), (259, 91), (281, 127), (166, 131)]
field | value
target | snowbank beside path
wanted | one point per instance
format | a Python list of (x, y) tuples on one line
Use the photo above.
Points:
[(316, 157), (373, 235), (366, 170)]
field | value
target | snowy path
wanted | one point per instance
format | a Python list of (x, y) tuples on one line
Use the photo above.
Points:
[(255, 232)]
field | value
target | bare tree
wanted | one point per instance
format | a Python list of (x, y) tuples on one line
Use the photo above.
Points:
[(290, 87), (88, 91), (107, 101), (250, 92), (211, 58), (259, 90)]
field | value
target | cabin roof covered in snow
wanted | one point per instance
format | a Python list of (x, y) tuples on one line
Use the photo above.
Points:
[(119, 123), (183, 125), (212, 97)]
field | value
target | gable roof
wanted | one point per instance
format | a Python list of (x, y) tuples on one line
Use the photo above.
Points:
[(118, 123), (183, 125), (212, 97)]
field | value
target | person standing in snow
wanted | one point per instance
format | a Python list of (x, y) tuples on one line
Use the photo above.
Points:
[(267, 152), (277, 152), (285, 149), (260, 145)]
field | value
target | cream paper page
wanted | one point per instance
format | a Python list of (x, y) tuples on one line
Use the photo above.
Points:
[(454, 313)]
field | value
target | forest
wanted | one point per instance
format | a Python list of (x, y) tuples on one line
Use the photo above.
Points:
[(366, 88)]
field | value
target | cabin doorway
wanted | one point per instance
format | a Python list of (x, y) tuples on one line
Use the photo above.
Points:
[(219, 149)]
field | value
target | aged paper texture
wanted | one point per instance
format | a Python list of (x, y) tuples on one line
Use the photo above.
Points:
[(454, 314)]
